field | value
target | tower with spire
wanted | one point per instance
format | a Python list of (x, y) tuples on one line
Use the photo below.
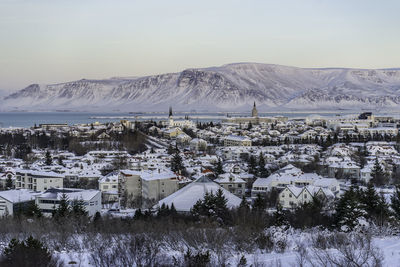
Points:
[(254, 112), (170, 118)]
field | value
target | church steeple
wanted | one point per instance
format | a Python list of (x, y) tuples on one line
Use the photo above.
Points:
[(170, 119), (254, 112)]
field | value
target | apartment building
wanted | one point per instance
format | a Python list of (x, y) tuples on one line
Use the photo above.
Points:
[(234, 140), (38, 180)]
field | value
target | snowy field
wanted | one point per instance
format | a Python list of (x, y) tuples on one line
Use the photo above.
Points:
[(300, 250)]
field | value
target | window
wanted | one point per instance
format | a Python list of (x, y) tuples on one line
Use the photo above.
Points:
[(283, 195), (290, 195), (305, 195), (105, 186), (48, 201)]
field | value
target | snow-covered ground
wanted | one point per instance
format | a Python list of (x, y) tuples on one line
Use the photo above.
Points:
[(387, 246)]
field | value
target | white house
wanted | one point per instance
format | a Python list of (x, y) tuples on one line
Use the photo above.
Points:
[(50, 199), (289, 175), (293, 196), (233, 183), (108, 186), (13, 200), (198, 144)]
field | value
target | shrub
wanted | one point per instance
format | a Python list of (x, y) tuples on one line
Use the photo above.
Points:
[(30, 252), (199, 259), (265, 242)]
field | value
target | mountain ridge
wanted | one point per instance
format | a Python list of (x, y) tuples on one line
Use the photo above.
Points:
[(230, 87)]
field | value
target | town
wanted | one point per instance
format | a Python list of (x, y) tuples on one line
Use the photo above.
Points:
[(290, 169)]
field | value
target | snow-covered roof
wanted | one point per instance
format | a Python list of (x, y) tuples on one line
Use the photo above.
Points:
[(286, 175), (111, 177), (326, 182), (18, 195), (71, 193), (237, 138), (158, 175), (39, 174), (229, 178), (186, 197)]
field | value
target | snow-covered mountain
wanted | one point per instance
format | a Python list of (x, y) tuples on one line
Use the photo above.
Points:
[(231, 87)]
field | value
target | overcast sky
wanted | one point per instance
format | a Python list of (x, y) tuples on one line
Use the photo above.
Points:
[(47, 41)]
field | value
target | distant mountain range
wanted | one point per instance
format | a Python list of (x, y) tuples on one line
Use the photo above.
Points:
[(231, 87)]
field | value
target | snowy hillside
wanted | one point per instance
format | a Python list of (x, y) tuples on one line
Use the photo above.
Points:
[(231, 87)]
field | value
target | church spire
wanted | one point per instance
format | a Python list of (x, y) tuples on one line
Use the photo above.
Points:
[(254, 112), (170, 112)]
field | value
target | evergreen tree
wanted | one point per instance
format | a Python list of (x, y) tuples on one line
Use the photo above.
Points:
[(163, 210), (219, 169), (375, 208), (383, 211), (259, 204), (176, 163), (60, 161), (33, 210), (310, 214), (395, 203), (261, 166), (252, 165), (63, 209), (249, 126), (172, 210), (349, 209), (212, 206), (9, 183), (378, 175), (97, 219), (49, 159), (222, 210), (138, 214), (78, 208), (28, 253)]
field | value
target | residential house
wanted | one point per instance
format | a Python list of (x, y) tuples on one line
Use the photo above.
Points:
[(49, 200), (233, 183)]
